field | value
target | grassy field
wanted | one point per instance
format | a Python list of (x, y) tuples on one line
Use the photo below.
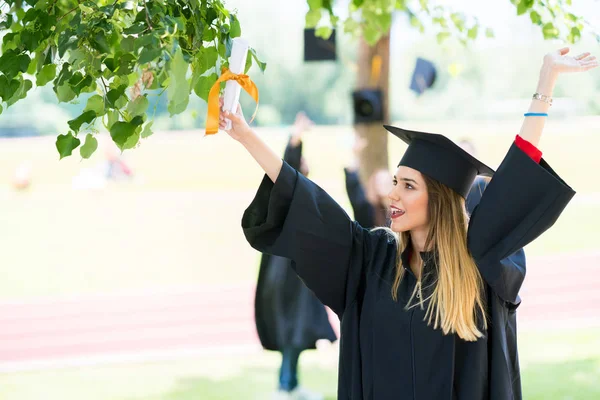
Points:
[(559, 366), (178, 224)]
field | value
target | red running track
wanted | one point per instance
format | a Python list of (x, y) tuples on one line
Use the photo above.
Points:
[(559, 291)]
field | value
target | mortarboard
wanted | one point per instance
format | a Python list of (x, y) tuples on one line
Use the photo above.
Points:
[(423, 77), (441, 159)]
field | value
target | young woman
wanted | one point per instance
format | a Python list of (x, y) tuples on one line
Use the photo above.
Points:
[(424, 312)]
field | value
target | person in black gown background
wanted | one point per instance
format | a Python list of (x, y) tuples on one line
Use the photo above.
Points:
[(289, 317)]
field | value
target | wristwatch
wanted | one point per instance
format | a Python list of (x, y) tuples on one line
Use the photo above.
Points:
[(542, 97)]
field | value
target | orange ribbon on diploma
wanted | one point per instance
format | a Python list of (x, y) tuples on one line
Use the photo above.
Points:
[(212, 119)]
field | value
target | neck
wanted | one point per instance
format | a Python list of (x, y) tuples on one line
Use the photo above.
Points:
[(418, 239)]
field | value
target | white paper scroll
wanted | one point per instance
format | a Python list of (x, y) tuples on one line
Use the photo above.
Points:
[(237, 62)]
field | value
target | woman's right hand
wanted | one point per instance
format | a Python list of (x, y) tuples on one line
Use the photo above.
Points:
[(239, 126)]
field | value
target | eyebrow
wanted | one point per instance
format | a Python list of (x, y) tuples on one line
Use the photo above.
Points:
[(407, 180)]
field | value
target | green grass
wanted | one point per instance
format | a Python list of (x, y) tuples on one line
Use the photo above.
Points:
[(555, 366), (180, 223)]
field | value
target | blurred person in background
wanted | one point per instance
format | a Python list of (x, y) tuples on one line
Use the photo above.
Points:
[(370, 206), (289, 317)]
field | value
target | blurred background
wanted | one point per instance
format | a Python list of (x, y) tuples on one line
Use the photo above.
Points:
[(128, 276)]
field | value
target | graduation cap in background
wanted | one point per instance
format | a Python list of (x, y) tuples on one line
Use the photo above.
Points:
[(368, 105), (441, 159), (317, 48), (423, 77)]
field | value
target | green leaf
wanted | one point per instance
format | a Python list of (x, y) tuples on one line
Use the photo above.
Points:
[(113, 117), (46, 74), (12, 62), (122, 132), (21, 92), (324, 32), (535, 17), (261, 65), (147, 131), (138, 106), (472, 34), (248, 62), (178, 92), (574, 35), (89, 147), (204, 84), (148, 40), (524, 6), (351, 25), (64, 93), (1, 109), (65, 144), (132, 141), (458, 20), (443, 36), (371, 34), (209, 57), (489, 33), (79, 83), (86, 117), (236, 29), (550, 31), (31, 39), (149, 54), (95, 104), (8, 87), (313, 16), (128, 44), (114, 95)]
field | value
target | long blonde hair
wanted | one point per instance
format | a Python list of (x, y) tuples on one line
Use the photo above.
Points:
[(456, 302)]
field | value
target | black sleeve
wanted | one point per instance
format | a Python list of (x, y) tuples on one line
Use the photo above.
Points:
[(294, 218), (520, 203), (513, 267), (293, 154), (364, 212)]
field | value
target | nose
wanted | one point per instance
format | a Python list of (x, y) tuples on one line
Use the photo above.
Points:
[(393, 195)]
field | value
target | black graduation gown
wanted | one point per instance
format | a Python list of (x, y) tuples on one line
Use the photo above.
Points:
[(387, 352), (287, 313)]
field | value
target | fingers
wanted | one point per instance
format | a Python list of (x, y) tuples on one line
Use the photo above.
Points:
[(221, 102), (589, 65), (582, 56), (234, 118)]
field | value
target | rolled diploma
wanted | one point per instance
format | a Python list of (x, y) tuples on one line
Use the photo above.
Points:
[(237, 62)]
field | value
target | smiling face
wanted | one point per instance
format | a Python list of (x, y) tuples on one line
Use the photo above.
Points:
[(409, 199)]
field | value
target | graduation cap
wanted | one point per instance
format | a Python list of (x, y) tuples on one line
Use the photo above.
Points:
[(423, 77), (317, 48), (441, 159), (368, 105)]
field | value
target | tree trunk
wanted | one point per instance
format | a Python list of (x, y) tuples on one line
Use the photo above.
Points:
[(375, 155)]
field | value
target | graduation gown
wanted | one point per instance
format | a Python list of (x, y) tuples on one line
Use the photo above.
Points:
[(287, 313), (386, 351)]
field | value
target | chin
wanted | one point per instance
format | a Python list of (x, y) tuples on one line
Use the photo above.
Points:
[(399, 227)]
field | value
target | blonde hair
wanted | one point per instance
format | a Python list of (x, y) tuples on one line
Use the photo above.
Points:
[(456, 301)]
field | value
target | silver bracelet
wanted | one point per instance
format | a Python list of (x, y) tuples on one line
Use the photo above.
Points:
[(542, 97)]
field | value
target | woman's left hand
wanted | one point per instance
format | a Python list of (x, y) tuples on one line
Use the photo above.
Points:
[(559, 62)]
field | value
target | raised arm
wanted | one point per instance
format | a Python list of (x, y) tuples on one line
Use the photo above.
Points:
[(525, 197), (554, 64), (294, 218)]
